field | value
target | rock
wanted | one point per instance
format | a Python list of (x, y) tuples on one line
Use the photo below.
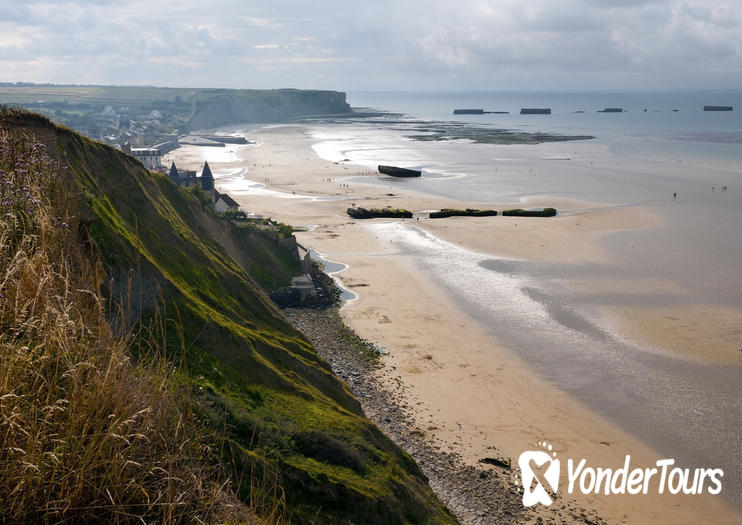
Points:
[(546, 212), (502, 463)]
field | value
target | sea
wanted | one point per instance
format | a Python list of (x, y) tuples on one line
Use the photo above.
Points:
[(662, 153)]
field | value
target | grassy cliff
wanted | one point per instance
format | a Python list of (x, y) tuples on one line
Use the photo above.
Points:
[(289, 435), (86, 434)]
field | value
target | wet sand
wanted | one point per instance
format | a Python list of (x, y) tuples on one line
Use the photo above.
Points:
[(707, 334), (473, 391)]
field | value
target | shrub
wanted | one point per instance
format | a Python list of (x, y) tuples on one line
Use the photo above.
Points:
[(285, 230), (234, 215)]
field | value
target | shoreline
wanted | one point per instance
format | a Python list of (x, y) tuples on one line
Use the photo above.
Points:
[(391, 294), (477, 494)]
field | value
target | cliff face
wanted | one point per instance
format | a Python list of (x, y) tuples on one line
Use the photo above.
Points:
[(292, 437), (212, 108)]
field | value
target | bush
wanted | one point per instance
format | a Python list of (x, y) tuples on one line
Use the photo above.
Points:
[(285, 230), (197, 191), (234, 215)]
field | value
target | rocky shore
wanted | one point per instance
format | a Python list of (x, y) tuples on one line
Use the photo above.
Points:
[(444, 131), (481, 495)]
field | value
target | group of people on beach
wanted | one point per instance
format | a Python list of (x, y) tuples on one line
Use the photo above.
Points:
[(342, 185), (713, 190)]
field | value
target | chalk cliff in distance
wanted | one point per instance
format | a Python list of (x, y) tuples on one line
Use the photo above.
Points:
[(212, 108)]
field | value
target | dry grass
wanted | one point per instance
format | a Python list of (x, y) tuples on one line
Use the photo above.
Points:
[(85, 434)]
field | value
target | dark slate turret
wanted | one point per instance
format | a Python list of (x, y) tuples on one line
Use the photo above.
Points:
[(173, 171), (207, 179)]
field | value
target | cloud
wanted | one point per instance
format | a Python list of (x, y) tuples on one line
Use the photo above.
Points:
[(463, 44), (607, 39)]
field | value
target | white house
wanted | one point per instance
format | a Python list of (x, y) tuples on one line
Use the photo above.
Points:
[(224, 203), (150, 157)]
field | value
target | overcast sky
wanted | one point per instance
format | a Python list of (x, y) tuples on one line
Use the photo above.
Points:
[(375, 44)]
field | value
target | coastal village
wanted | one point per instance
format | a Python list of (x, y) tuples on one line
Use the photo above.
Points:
[(151, 158), (312, 287), (157, 122)]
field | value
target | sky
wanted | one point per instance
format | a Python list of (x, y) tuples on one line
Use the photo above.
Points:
[(375, 44)]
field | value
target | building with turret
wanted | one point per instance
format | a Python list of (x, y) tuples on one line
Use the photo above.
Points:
[(207, 179), (188, 177)]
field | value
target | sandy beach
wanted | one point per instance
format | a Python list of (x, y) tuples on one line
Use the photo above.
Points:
[(473, 394)]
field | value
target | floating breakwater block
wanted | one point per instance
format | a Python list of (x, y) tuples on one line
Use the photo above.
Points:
[(468, 112), (535, 111)]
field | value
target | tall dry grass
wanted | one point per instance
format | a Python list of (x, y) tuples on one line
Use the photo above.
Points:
[(85, 434)]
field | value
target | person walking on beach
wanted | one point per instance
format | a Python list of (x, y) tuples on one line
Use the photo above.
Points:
[(675, 196)]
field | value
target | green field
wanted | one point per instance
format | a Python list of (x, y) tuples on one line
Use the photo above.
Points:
[(93, 95)]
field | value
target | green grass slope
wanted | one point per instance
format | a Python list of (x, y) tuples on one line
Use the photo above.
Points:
[(294, 438)]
